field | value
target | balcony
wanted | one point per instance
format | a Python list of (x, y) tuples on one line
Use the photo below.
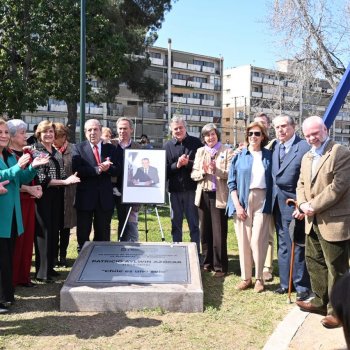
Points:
[(289, 98), (178, 82), (194, 101), (194, 118), (292, 85), (181, 65), (195, 67), (268, 81), (206, 119), (257, 79), (279, 82), (179, 99), (256, 94), (208, 102), (267, 96), (208, 69), (194, 84), (207, 86), (157, 61), (59, 108)]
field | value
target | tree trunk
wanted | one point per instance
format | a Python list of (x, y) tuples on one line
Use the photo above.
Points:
[(72, 119)]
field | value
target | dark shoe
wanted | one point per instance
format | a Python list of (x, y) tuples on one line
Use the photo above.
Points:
[(4, 308), (219, 274), (29, 285), (303, 296), (63, 262), (267, 276), (308, 307), (281, 290), (330, 321)]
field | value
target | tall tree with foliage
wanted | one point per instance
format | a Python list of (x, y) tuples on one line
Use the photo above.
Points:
[(118, 34)]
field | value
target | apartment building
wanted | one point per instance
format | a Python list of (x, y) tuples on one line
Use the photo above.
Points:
[(192, 89), (249, 89)]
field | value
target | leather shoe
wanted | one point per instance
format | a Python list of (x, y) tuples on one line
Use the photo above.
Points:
[(308, 307), (245, 284), (330, 321), (281, 290)]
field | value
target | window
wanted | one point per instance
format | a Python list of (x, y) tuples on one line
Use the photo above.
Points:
[(203, 63), (155, 55)]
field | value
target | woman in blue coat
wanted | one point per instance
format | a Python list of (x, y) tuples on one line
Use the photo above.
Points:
[(17, 173), (250, 187)]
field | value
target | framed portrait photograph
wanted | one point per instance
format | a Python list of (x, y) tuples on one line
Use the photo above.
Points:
[(144, 176)]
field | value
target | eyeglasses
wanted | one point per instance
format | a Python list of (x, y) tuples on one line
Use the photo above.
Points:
[(255, 133)]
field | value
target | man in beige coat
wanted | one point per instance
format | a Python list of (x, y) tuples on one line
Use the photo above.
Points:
[(323, 194)]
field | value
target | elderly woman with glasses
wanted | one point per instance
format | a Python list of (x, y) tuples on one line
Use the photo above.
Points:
[(250, 187), (22, 258), (210, 170)]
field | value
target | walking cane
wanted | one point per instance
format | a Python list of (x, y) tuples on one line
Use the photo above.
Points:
[(291, 203)]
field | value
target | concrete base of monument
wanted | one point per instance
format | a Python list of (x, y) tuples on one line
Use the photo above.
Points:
[(128, 276)]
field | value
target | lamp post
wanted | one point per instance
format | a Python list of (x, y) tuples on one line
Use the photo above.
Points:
[(82, 66)]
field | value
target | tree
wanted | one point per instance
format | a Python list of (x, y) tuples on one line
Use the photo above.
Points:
[(315, 33), (118, 33)]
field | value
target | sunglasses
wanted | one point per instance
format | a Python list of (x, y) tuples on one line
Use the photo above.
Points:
[(255, 133)]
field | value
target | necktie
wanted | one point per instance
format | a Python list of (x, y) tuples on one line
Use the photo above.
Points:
[(96, 154), (282, 152)]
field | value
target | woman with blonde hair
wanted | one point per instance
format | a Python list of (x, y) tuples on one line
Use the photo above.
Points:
[(49, 212), (250, 187)]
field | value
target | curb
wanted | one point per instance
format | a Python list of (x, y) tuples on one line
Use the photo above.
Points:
[(286, 329)]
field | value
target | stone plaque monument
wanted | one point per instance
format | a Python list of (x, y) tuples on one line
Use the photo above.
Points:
[(125, 276)]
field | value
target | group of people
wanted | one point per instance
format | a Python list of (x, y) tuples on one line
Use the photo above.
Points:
[(52, 186), (295, 187)]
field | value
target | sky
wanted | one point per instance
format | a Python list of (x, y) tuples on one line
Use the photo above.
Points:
[(234, 29)]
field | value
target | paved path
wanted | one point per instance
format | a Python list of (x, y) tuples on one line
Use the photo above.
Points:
[(302, 330)]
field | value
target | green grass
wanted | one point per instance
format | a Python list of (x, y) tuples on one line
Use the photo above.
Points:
[(231, 319)]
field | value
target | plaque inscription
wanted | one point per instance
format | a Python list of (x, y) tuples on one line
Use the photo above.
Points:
[(136, 263)]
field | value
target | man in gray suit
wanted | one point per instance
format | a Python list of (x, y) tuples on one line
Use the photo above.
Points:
[(286, 161), (323, 194)]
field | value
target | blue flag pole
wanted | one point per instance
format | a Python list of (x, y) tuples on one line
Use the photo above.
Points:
[(337, 99)]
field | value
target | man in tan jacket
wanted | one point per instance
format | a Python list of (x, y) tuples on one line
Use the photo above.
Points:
[(323, 195)]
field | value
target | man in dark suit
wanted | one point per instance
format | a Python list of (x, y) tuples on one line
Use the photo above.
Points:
[(95, 162), (286, 161), (147, 175)]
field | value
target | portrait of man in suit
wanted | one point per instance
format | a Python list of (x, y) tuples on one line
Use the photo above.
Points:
[(146, 175)]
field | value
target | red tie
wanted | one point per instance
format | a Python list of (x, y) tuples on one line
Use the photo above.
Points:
[(96, 154)]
